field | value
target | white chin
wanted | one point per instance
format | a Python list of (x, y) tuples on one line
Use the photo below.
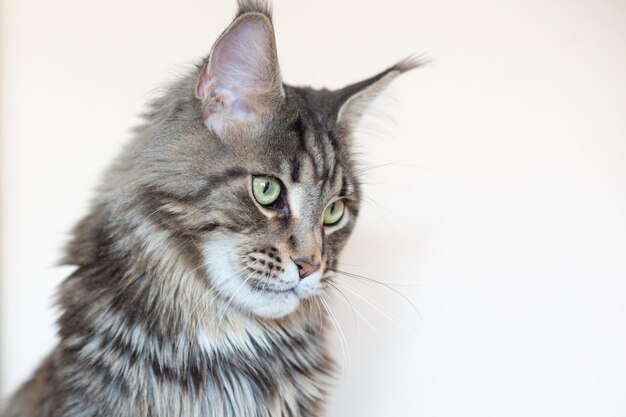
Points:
[(274, 306), (221, 267)]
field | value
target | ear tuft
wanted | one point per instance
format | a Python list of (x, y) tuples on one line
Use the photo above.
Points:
[(352, 101), (410, 63), (254, 6)]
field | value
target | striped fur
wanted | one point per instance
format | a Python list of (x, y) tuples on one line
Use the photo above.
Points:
[(186, 300)]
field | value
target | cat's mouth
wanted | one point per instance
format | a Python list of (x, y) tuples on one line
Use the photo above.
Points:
[(271, 293)]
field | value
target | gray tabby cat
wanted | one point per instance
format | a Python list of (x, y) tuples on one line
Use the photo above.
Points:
[(202, 263)]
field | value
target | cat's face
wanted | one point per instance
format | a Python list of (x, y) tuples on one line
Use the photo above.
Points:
[(283, 216), (258, 174)]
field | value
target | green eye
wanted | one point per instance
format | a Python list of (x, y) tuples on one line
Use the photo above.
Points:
[(334, 212), (266, 190)]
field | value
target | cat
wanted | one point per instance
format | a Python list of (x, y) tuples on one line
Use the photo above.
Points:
[(201, 265)]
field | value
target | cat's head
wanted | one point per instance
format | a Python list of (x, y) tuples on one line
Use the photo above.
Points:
[(258, 175)]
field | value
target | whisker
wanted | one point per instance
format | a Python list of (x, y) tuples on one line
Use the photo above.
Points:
[(232, 297), (390, 288), (393, 213), (362, 317), (396, 188), (146, 218), (343, 341), (347, 264), (346, 300), (217, 293), (371, 303), (375, 281), (311, 314), (200, 300), (374, 205), (319, 308), (408, 165), (369, 168)]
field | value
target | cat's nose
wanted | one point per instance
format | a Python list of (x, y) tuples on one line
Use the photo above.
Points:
[(306, 267)]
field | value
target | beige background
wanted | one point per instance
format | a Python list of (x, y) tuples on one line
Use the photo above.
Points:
[(501, 210)]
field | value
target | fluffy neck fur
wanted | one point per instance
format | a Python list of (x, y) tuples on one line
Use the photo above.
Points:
[(133, 319)]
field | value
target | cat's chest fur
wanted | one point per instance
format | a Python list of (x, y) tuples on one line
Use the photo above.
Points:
[(253, 372)]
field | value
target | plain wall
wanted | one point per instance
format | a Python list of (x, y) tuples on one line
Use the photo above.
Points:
[(498, 201)]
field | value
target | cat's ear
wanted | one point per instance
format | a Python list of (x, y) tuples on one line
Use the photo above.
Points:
[(240, 82), (352, 101)]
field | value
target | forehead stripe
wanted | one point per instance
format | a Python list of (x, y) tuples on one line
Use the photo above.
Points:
[(344, 186), (298, 126), (300, 131), (314, 165), (304, 138), (295, 169), (320, 145), (330, 178)]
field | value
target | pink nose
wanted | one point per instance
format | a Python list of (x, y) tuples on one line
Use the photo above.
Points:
[(305, 268)]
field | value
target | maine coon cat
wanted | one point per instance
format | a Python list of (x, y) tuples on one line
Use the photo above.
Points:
[(201, 264)]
